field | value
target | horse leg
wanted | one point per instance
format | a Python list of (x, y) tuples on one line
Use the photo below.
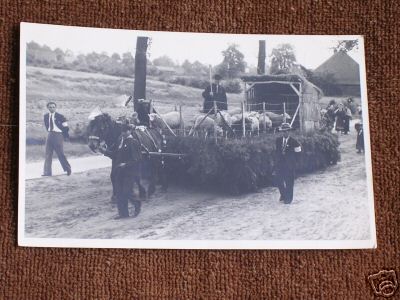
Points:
[(137, 205), (113, 183), (152, 179), (163, 177), (142, 190)]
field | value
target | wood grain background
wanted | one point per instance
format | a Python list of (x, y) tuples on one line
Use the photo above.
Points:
[(35, 273)]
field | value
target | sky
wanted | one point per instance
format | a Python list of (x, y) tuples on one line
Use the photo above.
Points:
[(310, 50)]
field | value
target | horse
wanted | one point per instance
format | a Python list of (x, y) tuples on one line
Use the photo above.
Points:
[(102, 129)]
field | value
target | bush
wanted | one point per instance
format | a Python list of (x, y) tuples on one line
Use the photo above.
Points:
[(240, 166), (191, 81), (233, 86)]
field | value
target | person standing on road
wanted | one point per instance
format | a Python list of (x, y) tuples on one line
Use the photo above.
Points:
[(215, 92), (126, 171), (360, 137), (287, 150), (341, 115), (57, 129)]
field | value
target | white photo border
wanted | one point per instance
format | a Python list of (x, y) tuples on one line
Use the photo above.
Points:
[(188, 244)]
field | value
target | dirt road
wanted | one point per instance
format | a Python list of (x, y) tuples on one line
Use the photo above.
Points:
[(330, 204), (34, 170)]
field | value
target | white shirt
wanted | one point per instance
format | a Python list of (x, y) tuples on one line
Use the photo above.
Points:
[(285, 141), (55, 127)]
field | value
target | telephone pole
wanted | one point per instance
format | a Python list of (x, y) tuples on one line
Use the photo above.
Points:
[(139, 91), (261, 58)]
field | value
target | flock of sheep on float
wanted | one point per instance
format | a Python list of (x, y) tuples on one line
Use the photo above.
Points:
[(208, 124)]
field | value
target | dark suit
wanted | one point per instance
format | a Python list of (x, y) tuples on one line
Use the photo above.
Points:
[(286, 156), (129, 153), (219, 95), (54, 141)]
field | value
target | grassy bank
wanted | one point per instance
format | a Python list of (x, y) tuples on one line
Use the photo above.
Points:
[(78, 93)]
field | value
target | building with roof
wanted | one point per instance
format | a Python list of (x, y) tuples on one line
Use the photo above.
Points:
[(345, 71)]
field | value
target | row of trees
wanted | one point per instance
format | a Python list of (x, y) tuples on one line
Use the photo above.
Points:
[(44, 56), (232, 65), (196, 74)]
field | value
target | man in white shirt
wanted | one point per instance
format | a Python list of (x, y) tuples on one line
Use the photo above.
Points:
[(57, 129)]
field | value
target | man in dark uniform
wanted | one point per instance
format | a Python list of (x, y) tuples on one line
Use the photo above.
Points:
[(287, 150), (126, 169), (215, 92), (57, 129)]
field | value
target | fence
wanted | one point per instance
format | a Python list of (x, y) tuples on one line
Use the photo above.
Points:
[(225, 129)]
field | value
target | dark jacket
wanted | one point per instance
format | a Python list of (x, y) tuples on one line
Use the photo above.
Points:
[(128, 152), (219, 95), (60, 122), (286, 157)]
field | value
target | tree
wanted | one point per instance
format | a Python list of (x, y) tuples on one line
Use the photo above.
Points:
[(116, 57), (81, 64), (282, 59), (31, 49), (346, 45), (196, 68), (233, 63), (59, 55), (187, 67), (164, 61), (128, 64), (326, 81)]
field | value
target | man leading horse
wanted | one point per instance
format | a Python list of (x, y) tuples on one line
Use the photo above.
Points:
[(126, 170)]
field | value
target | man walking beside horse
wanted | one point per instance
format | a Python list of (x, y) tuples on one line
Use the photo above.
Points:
[(126, 170)]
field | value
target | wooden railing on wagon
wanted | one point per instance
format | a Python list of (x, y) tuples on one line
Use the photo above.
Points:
[(228, 131)]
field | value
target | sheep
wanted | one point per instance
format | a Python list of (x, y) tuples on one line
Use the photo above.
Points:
[(276, 118), (227, 117), (254, 124), (252, 114), (234, 111), (171, 118), (236, 118), (265, 121), (206, 124)]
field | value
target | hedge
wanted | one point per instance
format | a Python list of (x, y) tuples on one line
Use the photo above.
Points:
[(243, 165)]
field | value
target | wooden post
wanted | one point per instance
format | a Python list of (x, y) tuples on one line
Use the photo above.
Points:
[(215, 122), (295, 115), (264, 119), (181, 125), (243, 122), (150, 110), (261, 58), (139, 88), (284, 112)]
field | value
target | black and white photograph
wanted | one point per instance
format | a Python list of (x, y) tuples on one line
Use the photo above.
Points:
[(183, 140)]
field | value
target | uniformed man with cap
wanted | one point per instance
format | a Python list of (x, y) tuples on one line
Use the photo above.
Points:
[(215, 92), (127, 167), (287, 151)]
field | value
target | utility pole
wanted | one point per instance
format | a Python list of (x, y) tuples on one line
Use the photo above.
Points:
[(139, 91), (261, 58)]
